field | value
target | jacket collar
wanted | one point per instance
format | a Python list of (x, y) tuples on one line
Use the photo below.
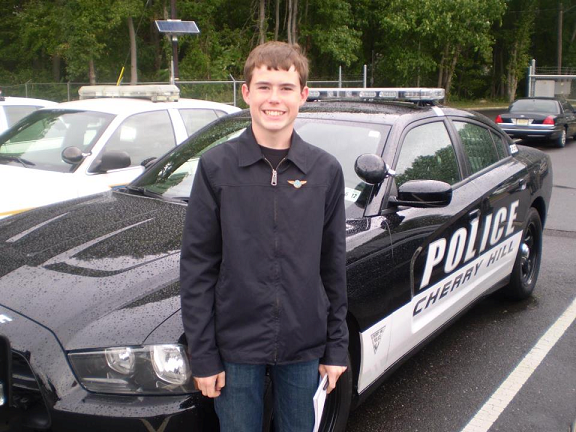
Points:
[(249, 152)]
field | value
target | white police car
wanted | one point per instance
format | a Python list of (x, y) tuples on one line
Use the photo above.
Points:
[(78, 148), (13, 109)]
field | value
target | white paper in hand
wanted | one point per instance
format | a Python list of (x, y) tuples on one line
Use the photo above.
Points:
[(319, 401)]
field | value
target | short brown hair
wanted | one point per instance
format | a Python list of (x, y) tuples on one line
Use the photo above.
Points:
[(278, 56)]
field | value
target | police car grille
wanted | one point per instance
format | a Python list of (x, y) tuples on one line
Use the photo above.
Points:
[(25, 389)]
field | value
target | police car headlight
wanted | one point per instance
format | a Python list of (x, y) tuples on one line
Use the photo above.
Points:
[(155, 369)]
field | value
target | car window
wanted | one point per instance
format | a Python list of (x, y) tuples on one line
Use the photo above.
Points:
[(195, 119), (347, 141), (567, 107), (535, 105), (143, 136), (15, 113), (501, 145), (427, 154), (42, 136), (478, 145)]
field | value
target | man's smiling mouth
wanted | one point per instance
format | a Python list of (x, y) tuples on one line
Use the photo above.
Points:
[(273, 113)]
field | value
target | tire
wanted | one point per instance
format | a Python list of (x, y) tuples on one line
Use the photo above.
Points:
[(560, 142), (336, 408), (527, 265)]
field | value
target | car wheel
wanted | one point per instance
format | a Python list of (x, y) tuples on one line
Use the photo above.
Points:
[(337, 405), (527, 264), (561, 140), (336, 408)]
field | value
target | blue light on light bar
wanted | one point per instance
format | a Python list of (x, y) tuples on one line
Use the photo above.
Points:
[(416, 94)]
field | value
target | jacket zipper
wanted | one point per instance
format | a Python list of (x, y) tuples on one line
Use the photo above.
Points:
[(274, 182)]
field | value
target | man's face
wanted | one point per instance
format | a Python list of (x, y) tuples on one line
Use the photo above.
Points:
[(274, 97)]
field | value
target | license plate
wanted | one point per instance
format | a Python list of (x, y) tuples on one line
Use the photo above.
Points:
[(522, 122)]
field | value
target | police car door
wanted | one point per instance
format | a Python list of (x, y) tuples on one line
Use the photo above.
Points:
[(433, 248), (503, 181)]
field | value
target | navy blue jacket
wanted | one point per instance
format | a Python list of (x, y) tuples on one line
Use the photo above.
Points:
[(263, 263)]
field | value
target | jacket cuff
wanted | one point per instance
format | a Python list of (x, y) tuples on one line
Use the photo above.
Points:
[(335, 357), (206, 366)]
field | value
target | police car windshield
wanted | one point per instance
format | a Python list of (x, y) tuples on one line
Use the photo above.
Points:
[(42, 136), (172, 177)]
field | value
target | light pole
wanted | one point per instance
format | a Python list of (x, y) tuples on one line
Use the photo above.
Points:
[(173, 29)]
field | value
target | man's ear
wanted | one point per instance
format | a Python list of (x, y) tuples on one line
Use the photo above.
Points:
[(304, 95), (246, 93)]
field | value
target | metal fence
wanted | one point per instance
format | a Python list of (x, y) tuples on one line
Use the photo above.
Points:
[(219, 91), (551, 82)]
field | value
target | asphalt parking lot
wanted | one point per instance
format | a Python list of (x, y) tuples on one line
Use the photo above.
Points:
[(452, 384)]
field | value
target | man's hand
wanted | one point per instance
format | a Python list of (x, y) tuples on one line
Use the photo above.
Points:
[(211, 386), (333, 372)]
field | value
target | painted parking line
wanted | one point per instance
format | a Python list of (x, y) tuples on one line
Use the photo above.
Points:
[(491, 410)]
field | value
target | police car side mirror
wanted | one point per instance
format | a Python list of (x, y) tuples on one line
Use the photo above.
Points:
[(111, 160), (147, 163), (423, 194), (72, 155), (372, 169)]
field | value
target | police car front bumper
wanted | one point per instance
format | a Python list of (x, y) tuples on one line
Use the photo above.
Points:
[(40, 392), (34, 406)]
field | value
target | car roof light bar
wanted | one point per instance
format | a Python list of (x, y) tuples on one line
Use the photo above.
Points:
[(416, 94), (153, 92)]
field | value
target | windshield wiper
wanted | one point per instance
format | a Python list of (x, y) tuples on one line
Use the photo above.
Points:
[(145, 192), (25, 163)]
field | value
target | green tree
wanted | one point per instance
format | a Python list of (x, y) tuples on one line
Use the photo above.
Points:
[(422, 36)]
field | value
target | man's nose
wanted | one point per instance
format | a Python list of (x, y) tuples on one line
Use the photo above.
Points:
[(274, 95)]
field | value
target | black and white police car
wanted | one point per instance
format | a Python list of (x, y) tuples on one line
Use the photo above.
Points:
[(442, 209)]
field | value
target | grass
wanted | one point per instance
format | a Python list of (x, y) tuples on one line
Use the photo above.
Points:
[(478, 104)]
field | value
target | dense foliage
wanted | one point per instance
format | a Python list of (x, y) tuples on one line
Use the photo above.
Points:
[(473, 48)]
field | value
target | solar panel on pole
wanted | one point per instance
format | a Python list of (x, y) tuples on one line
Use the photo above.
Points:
[(174, 29), (177, 28)]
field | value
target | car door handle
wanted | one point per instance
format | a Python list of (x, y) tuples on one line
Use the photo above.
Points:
[(474, 214), (521, 184)]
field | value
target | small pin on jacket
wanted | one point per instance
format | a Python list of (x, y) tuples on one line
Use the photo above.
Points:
[(297, 183)]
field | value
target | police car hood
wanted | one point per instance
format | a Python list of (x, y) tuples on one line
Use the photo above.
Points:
[(97, 271), (25, 188)]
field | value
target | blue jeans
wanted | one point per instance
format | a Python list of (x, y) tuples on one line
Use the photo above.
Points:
[(241, 402)]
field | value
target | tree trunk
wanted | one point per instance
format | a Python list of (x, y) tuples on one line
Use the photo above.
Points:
[(133, 53), (512, 79), (155, 36), (294, 21), (289, 24), (450, 72), (441, 67), (56, 62), (277, 26), (262, 21), (91, 72)]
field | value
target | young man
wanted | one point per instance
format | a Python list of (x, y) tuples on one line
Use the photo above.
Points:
[(263, 280)]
